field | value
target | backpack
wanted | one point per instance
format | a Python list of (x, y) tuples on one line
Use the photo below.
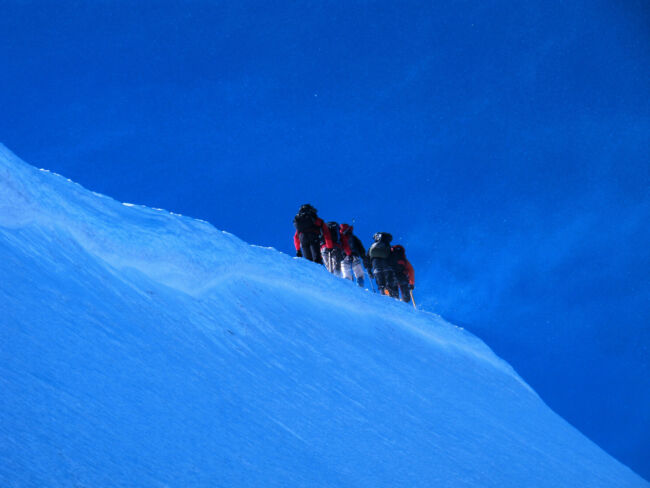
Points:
[(398, 253), (304, 221), (357, 247), (334, 232), (379, 249)]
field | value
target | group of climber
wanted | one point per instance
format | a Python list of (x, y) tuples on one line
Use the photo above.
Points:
[(342, 253)]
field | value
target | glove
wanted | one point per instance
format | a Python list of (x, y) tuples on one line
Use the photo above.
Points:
[(299, 253), (410, 287)]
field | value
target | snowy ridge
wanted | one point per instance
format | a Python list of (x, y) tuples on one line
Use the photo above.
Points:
[(175, 250), (143, 348), (183, 253)]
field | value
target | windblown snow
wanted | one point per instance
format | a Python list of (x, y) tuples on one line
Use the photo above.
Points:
[(143, 348)]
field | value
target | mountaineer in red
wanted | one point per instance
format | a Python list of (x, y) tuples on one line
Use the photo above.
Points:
[(333, 255), (355, 254), (404, 273)]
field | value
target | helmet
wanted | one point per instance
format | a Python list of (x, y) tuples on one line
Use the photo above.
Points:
[(307, 208), (382, 236), (346, 229)]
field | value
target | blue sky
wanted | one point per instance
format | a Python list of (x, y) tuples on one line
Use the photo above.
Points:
[(506, 145)]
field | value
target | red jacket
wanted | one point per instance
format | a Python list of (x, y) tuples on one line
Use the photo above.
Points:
[(345, 243), (319, 226), (408, 269)]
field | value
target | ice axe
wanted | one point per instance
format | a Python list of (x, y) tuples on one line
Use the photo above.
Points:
[(413, 299)]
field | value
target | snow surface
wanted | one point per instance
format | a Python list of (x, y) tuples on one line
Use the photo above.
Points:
[(143, 348)]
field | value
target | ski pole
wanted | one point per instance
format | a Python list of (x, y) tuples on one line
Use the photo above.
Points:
[(413, 300), (372, 279), (372, 287)]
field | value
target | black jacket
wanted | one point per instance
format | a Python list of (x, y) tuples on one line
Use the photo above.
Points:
[(356, 247)]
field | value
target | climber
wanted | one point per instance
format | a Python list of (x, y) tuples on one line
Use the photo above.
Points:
[(355, 254), (309, 231), (382, 269)]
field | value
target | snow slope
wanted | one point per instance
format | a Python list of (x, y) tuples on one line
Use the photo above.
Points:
[(143, 348)]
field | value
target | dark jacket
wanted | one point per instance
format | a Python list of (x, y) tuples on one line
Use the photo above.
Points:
[(356, 247), (380, 252), (319, 229)]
